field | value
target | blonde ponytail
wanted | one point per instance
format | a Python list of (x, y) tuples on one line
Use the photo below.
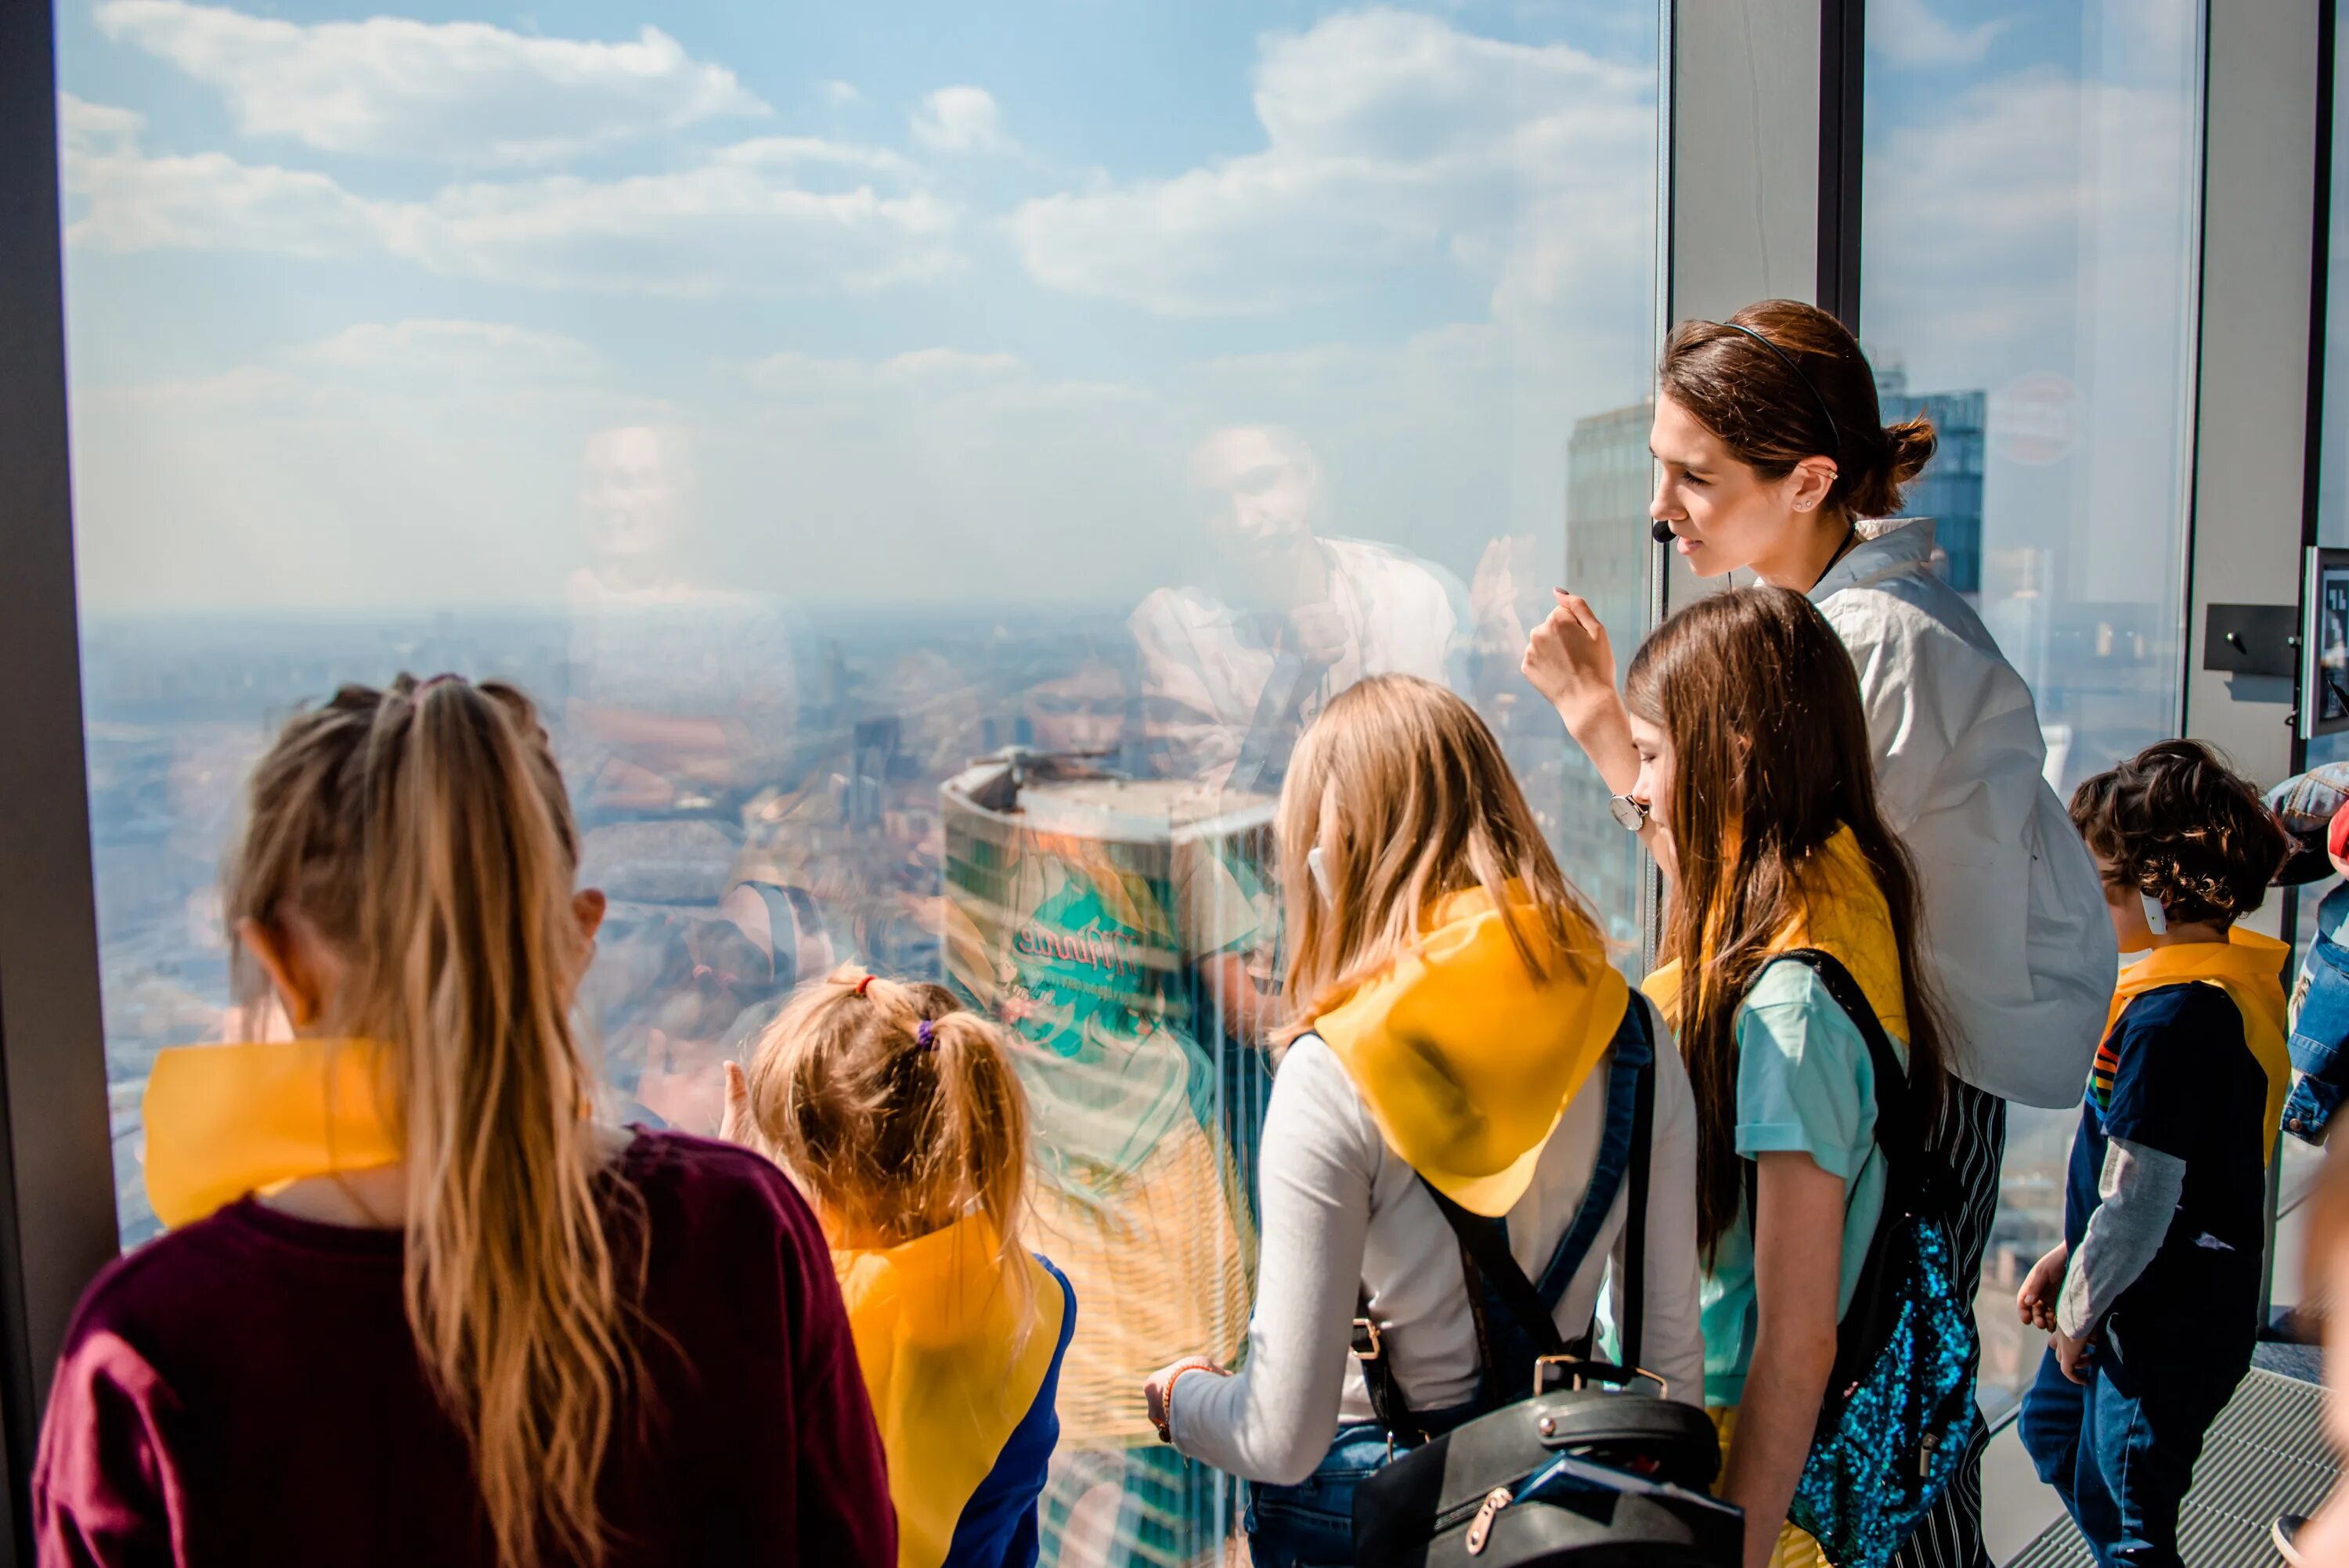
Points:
[(897, 1110), (423, 832)]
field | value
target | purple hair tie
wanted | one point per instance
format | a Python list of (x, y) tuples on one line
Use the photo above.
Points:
[(922, 1031)]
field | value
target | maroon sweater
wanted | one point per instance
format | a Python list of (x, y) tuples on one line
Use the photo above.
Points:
[(246, 1391)]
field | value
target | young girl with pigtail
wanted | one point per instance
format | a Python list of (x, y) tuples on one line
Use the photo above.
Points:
[(899, 1114)]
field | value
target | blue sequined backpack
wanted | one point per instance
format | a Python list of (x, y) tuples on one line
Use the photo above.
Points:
[(1899, 1408)]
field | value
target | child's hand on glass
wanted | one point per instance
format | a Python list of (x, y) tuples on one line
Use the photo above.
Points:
[(2036, 1299)]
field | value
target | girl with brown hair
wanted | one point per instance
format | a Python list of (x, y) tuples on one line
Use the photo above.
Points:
[(1755, 770), (1771, 457), (1456, 1029), (900, 1114), (416, 1305)]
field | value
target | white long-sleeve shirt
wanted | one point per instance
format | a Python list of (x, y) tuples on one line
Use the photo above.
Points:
[(1342, 1212), (2020, 950)]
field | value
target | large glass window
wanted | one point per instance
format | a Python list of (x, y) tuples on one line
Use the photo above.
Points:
[(2031, 214), (2300, 1160), (928, 470)]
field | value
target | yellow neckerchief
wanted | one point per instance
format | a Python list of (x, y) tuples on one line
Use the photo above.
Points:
[(1843, 914), (225, 1121), (936, 1323), (2250, 968), (1464, 1061)]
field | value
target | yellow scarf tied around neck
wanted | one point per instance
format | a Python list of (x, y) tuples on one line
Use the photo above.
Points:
[(937, 1324), (1465, 1062), (222, 1121), (1842, 914), (2250, 968)]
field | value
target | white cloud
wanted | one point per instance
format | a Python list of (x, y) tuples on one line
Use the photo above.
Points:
[(415, 462), (2046, 225), (464, 92), (1391, 140), (772, 215), (961, 119), (840, 92), (1908, 32), (127, 200), (454, 350)]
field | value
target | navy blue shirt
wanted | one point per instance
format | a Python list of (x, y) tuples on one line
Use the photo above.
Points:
[(998, 1524), (2175, 1075)]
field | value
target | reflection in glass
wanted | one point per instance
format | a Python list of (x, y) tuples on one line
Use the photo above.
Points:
[(2031, 203), (928, 484)]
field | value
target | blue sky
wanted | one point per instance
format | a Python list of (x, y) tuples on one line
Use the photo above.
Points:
[(927, 303), (932, 304)]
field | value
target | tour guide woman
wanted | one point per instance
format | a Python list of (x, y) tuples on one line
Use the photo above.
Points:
[(1772, 456)]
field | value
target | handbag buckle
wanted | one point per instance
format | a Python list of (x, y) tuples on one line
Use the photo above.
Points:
[(1368, 1347), (1542, 1363)]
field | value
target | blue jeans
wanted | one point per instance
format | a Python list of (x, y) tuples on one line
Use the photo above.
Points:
[(2120, 1448), (1311, 1524)]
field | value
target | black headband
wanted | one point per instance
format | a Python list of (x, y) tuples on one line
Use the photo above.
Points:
[(1834, 432)]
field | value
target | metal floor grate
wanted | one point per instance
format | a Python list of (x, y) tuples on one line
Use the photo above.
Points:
[(2267, 1455)]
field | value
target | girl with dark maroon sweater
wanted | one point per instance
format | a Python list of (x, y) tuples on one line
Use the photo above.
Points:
[(417, 1305)]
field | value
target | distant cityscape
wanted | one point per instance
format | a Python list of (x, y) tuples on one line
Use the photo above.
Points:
[(758, 785)]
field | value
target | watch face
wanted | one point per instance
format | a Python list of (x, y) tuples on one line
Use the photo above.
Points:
[(1627, 812)]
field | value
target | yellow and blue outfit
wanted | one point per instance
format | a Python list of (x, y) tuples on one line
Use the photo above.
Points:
[(2164, 1214), (962, 1391), (1805, 1084)]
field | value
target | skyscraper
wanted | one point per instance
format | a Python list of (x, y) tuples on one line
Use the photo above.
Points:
[(1609, 477), (1950, 492)]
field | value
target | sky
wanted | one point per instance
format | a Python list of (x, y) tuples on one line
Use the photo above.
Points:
[(931, 305)]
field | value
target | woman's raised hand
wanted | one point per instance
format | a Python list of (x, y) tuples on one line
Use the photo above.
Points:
[(1569, 660)]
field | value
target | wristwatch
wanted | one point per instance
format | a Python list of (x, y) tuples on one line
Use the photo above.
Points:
[(1629, 814)]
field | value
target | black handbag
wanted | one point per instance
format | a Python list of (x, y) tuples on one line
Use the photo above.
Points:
[(1577, 1476)]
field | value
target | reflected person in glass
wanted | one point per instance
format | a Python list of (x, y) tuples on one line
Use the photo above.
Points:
[(1286, 615), (1771, 457), (682, 708)]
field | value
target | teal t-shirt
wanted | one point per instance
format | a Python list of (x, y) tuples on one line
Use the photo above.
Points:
[(1805, 1083)]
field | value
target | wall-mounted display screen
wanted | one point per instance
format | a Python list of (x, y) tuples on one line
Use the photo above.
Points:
[(2325, 644)]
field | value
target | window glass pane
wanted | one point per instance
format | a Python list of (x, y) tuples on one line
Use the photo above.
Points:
[(821, 415), (2300, 1160), (2031, 211)]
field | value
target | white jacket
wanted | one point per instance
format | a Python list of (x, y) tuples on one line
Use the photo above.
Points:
[(2022, 951)]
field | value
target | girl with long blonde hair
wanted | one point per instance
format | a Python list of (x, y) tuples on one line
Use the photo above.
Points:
[(899, 1112), (415, 1305), (1455, 1031)]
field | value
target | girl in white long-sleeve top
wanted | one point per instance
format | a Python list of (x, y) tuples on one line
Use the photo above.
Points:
[(1457, 1029)]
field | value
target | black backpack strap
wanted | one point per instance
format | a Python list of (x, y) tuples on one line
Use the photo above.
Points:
[(1623, 1153), (1387, 1401), (1635, 1213), (1897, 1132), (1907, 1190)]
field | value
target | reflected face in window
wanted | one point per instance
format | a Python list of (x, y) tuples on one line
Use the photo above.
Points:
[(1260, 486), (1080, 712), (1724, 515), (631, 493)]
